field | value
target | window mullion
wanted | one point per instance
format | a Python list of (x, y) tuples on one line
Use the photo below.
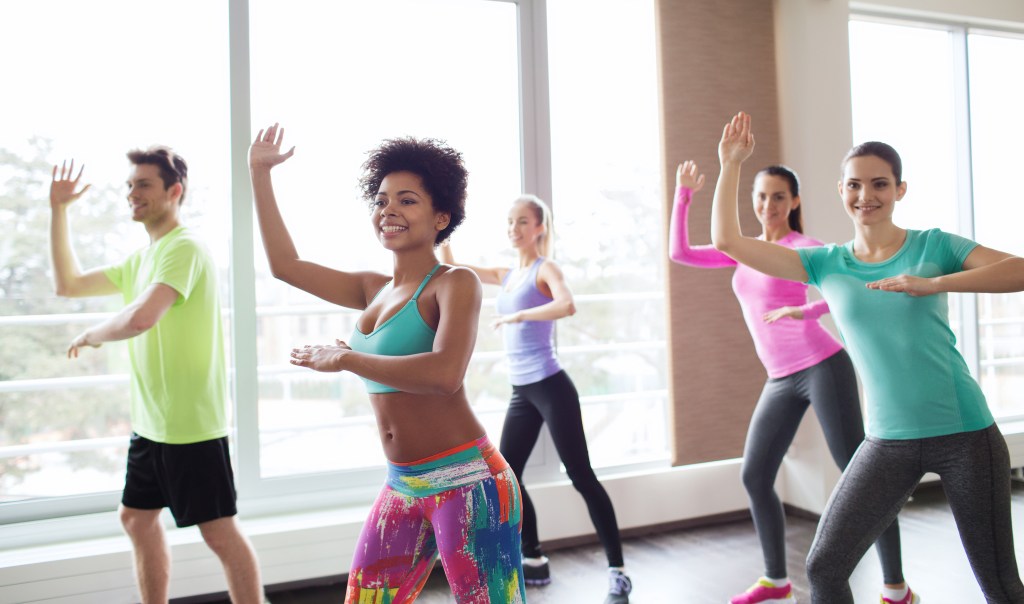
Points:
[(965, 187), (243, 279), (535, 131), (535, 115)]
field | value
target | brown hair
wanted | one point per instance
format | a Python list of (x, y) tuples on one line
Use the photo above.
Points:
[(882, 151), (172, 166), (796, 219)]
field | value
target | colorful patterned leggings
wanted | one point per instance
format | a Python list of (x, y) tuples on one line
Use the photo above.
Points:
[(462, 504)]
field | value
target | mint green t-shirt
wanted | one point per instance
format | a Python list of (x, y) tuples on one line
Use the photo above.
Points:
[(179, 385), (916, 383)]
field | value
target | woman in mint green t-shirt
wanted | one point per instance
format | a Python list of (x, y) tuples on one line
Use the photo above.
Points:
[(887, 293)]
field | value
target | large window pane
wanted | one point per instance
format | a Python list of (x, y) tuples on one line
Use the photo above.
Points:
[(920, 121), (606, 189), (79, 85), (902, 87), (342, 76), (998, 211)]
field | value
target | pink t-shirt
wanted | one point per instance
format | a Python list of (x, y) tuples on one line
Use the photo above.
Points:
[(785, 346)]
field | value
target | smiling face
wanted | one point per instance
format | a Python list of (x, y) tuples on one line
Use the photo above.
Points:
[(524, 226), (869, 190), (150, 201), (773, 201), (403, 213)]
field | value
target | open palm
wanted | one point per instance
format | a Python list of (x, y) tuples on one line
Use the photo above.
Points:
[(737, 139), (265, 151), (687, 175), (62, 186)]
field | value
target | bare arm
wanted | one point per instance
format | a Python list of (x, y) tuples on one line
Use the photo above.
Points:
[(440, 371), (345, 289), (134, 319), (778, 261), (561, 305), (984, 271), (68, 278), (488, 275)]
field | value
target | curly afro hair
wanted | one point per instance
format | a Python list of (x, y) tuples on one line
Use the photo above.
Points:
[(438, 165)]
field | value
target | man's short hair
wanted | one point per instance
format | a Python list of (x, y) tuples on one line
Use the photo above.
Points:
[(172, 166)]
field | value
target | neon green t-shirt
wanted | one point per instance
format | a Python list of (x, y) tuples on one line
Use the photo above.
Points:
[(179, 383), (916, 383)]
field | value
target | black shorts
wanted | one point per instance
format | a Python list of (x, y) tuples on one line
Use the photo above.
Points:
[(194, 480)]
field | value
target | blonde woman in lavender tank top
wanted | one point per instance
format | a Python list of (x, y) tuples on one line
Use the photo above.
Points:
[(533, 296)]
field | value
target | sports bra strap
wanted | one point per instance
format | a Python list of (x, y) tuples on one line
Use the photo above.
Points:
[(416, 295)]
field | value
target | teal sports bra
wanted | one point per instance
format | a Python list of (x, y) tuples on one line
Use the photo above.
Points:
[(403, 334)]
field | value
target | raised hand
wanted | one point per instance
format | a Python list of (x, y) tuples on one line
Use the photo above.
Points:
[(265, 151), (907, 284), (688, 176), (737, 140), (62, 187), (321, 357)]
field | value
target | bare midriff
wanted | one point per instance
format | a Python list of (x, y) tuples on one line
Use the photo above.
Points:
[(416, 426)]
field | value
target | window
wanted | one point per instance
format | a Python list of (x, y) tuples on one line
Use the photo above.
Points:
[(457, 83), (88, 93), (939, 94), (340, 77), (606, 194), (997, 210)]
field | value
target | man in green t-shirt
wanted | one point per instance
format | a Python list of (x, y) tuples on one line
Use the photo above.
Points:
[(178, 456)]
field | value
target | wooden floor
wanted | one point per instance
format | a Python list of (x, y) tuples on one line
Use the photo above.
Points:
[(710, 564)]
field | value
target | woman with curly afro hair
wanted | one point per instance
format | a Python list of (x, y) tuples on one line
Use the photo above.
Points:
[(449, 493)]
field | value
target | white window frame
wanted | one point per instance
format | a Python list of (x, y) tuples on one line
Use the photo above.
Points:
[(259, 495), (970, 328)]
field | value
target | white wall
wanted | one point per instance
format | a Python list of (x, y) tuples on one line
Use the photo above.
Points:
[(815, 122)]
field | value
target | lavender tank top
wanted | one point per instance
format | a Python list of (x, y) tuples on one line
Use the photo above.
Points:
[(528, 344)]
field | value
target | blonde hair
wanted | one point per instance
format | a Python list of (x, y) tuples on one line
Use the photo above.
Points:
[(543, 213)]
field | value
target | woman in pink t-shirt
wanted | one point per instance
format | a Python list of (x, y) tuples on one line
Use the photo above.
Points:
[(806, 367)]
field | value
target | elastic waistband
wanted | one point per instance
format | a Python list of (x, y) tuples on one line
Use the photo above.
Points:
[(456, 467)]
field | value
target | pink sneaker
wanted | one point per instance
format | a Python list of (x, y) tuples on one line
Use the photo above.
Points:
[(763, 592), (911, 598)]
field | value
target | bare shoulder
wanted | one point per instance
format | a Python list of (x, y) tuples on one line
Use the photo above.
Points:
[(459, 280), (550, 265), (550, 270)]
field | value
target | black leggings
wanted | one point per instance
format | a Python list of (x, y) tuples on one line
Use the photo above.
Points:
[(831, 388), (554, 400), (975, 471)]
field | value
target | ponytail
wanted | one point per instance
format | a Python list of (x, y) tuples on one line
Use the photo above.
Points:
[(543, 213)]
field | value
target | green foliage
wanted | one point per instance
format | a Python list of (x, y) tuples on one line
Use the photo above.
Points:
[(100, 232)]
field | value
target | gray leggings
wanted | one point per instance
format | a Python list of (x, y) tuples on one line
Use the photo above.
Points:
[(975, 472), (831, 388)]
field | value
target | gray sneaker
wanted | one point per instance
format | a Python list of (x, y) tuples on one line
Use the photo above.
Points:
[(536, 571), (619, 587)]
